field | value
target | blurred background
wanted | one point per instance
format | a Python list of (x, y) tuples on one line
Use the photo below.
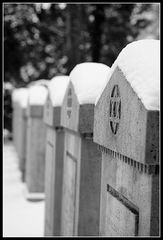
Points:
[(42, 40)]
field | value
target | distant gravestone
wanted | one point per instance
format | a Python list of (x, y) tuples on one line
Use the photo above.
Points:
[(82, 160), (36, 136), (126, 129), (13, 97), (15, 101), (54, 154), (22, 131)]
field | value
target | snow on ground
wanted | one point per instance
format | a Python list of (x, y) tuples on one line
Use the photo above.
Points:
[(57, 88), (140, 63), (88, 79), (21, 218)]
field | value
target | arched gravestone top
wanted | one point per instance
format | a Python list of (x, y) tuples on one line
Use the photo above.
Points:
[(56, 92), (127, 112), (87, 79), (140, 63), (70, 109), (23, 97), (36, 100), (15, 94)]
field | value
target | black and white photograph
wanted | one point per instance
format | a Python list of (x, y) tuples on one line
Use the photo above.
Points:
[(81, 119)]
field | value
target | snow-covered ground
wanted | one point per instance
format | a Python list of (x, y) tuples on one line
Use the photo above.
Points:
[(21, 218)]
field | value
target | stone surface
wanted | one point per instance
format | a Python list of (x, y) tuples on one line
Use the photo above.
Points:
[(35, 155), (19, 129), (136, 186), (120, 220), (82, 169), (36, 137), (70, 199), (89, 189), (128, 137), (56, 92), (22, 145), (35, 110), (86, 118), (54, 155), (53, 181), (135, 123), (70, 110)]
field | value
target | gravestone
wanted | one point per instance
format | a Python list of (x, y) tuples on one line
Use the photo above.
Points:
[(15, 101), (54, 154), (22, 128), (126, 128), (82, 159), (36, 138)]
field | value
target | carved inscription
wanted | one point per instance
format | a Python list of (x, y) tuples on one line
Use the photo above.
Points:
[(48, 107), (115, 109), (122, 215), (69, 103)]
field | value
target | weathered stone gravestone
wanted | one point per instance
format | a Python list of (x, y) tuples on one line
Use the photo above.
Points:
[(36, 137), (54, 154), (126, 128), (22, 129), (14, 114), (82, 160), (15, 125)]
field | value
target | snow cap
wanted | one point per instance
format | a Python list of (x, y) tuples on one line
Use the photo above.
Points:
[(37, 95), (57, 88), (88, 79), (140, 63), (20, 95), (23, 97), (15, 94)]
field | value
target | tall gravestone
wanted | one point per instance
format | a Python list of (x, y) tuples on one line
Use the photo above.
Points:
[(82, 160), (14, 100), (54, 154), (22, 129), (126, 128), (15, 104), (36, 137)]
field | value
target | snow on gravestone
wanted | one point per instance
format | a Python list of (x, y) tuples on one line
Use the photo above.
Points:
[(35, 155), (54, 154), (82, 166), (126, 127)]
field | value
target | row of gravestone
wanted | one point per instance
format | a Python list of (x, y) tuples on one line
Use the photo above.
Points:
[(89, 144)]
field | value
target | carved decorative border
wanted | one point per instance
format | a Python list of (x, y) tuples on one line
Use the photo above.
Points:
[(145, 168)]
